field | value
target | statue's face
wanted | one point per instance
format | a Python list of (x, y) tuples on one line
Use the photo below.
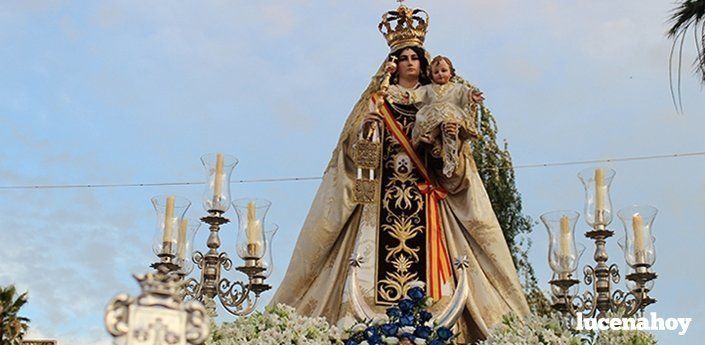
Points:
[(441, 73), (409, 66)]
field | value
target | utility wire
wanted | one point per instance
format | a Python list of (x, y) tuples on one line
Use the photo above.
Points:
[(311, 178)]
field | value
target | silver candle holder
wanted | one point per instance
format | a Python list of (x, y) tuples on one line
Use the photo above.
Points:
[(174, 237), (564, 254)]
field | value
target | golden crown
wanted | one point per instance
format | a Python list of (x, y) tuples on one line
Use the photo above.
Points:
[(404, 27)]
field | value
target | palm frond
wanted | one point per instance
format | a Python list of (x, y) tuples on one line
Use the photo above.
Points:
[(688, 16), (689, 12), (12, 326)]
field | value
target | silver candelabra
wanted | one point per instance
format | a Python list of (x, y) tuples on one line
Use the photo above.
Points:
[(174, 238), (564, 253)]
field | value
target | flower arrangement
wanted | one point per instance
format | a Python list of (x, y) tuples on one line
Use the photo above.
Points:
[(532, 330), (551, 330), (277, 325), (407, 323), (623, 337)]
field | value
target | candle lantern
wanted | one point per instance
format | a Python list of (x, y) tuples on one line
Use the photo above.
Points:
[(638, 244), (187, 232), (219, 167), (267, 261), (563, 252), (367, 155), (170, 211), (598, 205), (251, 243)]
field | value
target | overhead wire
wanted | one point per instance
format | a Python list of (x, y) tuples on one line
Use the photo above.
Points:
[(313, 178)]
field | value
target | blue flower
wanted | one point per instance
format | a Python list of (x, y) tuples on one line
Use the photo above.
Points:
[(423, 331), (436, 342), (390, 329), (406, 305), (372, 330), (416, 293), (444, 333), (425, 316), (351, 342), (407, 320), (393, 312), (374, 339)]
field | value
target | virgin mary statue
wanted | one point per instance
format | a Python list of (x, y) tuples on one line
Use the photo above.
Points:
[(419, 220)]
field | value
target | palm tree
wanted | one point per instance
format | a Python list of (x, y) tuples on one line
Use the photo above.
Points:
[(12, 326), (689, 16)]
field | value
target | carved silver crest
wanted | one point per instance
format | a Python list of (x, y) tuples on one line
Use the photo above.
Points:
[(157, 316)]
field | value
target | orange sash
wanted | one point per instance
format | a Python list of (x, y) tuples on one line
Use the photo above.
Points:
[(437, 263)]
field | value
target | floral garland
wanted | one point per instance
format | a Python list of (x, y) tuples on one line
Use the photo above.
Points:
[(407, 323)]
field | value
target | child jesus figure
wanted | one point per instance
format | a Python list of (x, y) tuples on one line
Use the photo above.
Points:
[(442, 103)]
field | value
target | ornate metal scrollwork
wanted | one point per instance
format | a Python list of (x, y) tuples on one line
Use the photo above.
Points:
[(237, 298), (602, 298)]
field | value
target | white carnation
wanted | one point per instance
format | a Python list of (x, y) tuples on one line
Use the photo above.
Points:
[(406, 329), (390, 340), (380, 320)]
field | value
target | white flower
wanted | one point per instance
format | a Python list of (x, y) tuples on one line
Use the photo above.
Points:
[(406, 329), (417, 283), (359, 328), (428, 302), (390, 340), (364, 342), (420, 341), (380, 320)]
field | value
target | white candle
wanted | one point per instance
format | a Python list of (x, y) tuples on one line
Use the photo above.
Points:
[(638, 228), (254, 230), (217, 183), (168, 219), (599, 190), (565, 236), (181, 253)]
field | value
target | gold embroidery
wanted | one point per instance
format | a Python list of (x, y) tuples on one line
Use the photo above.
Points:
[(403, 229), (401, 237)]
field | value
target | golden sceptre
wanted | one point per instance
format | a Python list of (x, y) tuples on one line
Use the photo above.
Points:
[(368, 149)]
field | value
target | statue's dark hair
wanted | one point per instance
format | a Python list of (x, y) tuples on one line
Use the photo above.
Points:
[(438, 60), (423, 70)]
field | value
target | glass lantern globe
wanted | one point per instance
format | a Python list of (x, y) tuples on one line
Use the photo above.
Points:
[(638, 243), (219, 168), (170, 212), (598, 204), (251, 214), (563, 252)]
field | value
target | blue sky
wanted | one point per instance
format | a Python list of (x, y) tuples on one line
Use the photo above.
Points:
[(135, 92)]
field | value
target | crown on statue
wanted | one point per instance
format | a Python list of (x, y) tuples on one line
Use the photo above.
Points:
[(159, 284), (404, 27)]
